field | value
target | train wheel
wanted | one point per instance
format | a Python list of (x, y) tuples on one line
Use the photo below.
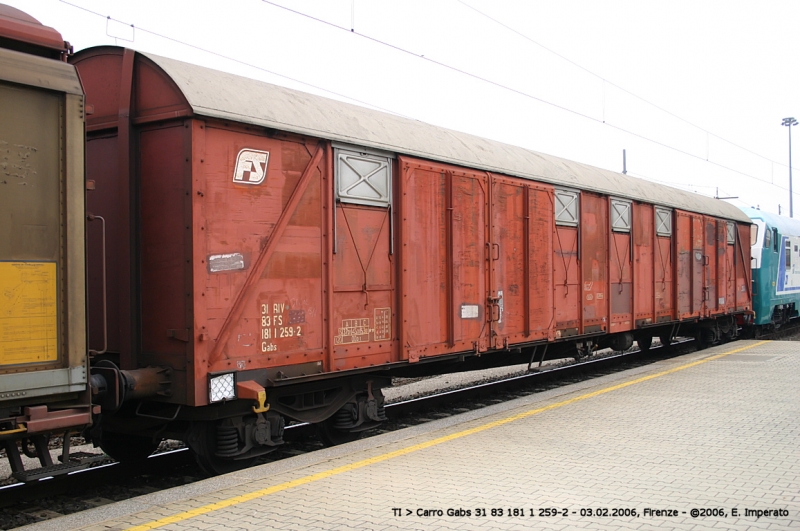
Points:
[(127, 448), (644, 343), (203, 444), (704, 338), (665, 340), (330, 436), (729, 335)]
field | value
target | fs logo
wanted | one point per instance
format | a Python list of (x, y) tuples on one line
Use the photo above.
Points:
[(251, 166)]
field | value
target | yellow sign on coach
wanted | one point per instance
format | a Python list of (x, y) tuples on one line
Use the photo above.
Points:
[(28, 312)]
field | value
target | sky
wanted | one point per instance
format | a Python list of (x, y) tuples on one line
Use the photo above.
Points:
[(693, 90)]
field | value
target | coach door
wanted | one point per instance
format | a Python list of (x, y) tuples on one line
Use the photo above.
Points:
[(363, 316)]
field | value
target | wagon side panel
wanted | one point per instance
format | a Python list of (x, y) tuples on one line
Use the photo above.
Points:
[(594, 288), (664, 267), (164, 223), (540, 261), (712, 247), (684, 265), (363, 302), (509, 255), (469, 276), (424, 261), (698, 266), (258, 254), (165, 246), (645, 289), (725, 275), (743, 273)]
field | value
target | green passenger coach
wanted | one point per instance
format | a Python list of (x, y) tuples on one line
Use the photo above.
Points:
[(775, 253)]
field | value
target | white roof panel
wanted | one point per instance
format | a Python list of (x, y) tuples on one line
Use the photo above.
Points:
[(226, 96), (786, 225)]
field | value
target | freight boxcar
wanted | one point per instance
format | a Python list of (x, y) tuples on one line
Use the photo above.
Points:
[(271, 255), (776, 268), (43, 363)]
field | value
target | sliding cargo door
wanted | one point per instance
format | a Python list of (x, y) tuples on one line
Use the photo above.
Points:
[(363, 291), (509, 256), (644, 267), (444, 256), (520, 300), (539, 261), (594, 263)]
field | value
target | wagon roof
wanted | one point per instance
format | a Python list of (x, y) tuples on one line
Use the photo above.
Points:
[(19, 26), (227, 96), (787, 226)]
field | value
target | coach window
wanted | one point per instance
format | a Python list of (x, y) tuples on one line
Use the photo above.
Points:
[(775, 240), (767, 238), (731, 233), (663, 221), (788, 254), (567, 207), (363, 177), (620, 215)]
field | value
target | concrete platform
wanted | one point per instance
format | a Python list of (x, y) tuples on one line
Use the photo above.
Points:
[(716, 431)]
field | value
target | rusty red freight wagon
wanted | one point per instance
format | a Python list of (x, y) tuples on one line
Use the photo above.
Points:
[(272, 255)]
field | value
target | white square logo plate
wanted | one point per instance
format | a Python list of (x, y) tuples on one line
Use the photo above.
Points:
[(251, 166)]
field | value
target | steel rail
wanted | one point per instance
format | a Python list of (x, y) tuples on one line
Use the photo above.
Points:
[(168, 460)]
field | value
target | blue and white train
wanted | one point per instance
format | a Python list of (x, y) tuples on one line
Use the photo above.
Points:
[(775, 253)]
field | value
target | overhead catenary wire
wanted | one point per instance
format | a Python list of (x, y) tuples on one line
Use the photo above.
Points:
[(618, 87), (516, 91), (233, 59), (690, 187), (397, 48)]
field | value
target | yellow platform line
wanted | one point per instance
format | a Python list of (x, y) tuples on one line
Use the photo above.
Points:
[(421, 446)]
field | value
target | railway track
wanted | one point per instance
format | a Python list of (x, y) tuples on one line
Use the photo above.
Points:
[(788, 332), (23, 504)]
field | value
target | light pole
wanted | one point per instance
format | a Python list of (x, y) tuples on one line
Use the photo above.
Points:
[(789, 122)]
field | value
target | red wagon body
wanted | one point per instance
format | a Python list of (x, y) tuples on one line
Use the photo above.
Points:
[(292, 241)]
